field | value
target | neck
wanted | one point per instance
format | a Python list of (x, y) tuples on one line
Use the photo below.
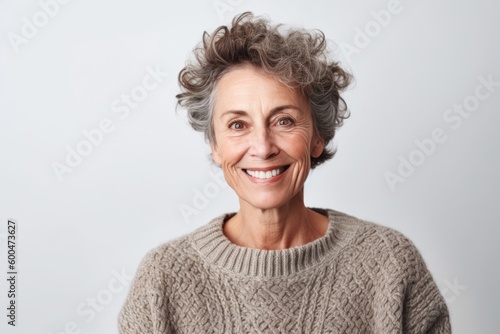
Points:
[(290, 225)]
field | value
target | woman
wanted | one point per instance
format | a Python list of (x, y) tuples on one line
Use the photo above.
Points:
[(268, 103)]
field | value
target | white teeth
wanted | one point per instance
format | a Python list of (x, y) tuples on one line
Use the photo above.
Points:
[(265, 175)]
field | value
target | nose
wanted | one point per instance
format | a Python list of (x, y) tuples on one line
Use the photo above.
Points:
[(262, 144)]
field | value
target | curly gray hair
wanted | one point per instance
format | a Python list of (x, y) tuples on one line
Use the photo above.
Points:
[(296, 57)]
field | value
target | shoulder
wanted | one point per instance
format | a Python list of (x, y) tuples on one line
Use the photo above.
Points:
[(163, 252), (165, 256), (369, 231), (173, 255), (395, 267), (371, 241)]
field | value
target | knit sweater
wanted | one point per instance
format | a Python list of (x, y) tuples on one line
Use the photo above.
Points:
[(359, 277)]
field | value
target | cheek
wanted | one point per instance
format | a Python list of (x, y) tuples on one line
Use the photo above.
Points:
[(297, 143), (229, 152), (219, 149)]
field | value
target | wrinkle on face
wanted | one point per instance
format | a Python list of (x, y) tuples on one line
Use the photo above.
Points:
[(260, 123)]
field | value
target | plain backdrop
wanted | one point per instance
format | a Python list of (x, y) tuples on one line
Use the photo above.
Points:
[(66, 69)]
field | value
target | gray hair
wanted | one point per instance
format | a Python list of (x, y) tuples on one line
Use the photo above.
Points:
[(296, 57)]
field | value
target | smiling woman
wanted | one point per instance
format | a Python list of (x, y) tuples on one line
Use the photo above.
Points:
[(264, 141), (268, 101)]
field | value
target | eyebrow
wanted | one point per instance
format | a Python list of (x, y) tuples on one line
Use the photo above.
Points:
[(273, 111)]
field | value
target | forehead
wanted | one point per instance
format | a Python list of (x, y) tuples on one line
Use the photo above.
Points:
[(247, 86)]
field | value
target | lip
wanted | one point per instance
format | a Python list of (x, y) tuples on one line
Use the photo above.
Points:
[(266, 169)]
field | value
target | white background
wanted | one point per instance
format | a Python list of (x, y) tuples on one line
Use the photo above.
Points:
[(126, 196)]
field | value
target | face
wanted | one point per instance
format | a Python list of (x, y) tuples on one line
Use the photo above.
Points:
[(264, 137)]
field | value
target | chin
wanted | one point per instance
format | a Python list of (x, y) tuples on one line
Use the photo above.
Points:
[(268, 201)]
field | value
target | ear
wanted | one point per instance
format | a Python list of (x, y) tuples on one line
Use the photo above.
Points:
[(215, 154), (317, 147)]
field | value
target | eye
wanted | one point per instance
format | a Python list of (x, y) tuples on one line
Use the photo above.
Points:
[(236, 125), (285, 121)]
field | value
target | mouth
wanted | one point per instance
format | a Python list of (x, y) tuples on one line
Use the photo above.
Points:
[(266, 174)]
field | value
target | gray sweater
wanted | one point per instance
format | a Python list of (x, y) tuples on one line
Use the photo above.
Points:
[(359, 277)]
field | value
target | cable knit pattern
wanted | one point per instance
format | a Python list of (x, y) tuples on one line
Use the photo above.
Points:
[(359, 277)]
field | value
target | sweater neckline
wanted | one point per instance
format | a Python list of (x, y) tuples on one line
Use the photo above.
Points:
[(218, 250)]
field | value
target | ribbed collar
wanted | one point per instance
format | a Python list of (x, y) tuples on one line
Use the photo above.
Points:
[(216, 248)]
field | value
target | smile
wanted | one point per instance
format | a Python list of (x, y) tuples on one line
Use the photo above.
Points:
[(265, 174)]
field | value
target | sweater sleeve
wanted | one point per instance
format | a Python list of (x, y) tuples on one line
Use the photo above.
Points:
[(424, 308), (145, 301)]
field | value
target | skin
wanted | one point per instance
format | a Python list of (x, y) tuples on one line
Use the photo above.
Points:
[(261, 124)]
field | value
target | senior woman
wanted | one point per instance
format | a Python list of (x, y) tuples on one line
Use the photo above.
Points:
[(267, 100)]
